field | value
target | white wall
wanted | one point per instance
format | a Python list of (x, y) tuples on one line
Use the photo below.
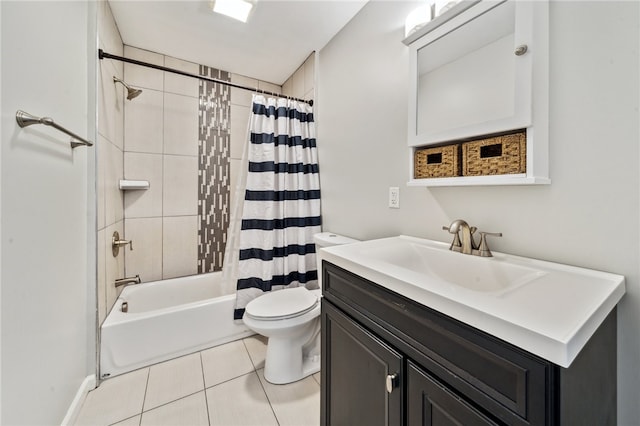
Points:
[(47, 199), (588, 216)]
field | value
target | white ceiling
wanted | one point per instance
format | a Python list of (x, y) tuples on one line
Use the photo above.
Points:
[(275, 41)]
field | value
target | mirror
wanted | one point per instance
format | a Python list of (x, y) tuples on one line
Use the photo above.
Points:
[(467, 77)]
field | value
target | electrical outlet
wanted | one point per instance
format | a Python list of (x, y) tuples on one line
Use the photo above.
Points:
[(394, 197)]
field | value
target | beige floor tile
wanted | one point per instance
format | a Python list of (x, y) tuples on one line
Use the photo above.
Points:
[(295, 404), (317, 377), (116, 399), (173, 379), (191, 410), (131, 421), (239, 402), (257, 348), (225, 362)]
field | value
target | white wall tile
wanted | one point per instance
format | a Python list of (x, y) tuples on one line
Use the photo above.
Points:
[(114, 266), (241, 96), (287, 87), (180, 124), (297, 89), (179, 246), (175, 83), (102, 279), (110, 105), (101, 175), (264, 85), (310, 95), (143, 203), (239, 129), (140, 76), (108, 33), (180, 185), (309, 73), (146, 257), (114, 202), (143, 122)]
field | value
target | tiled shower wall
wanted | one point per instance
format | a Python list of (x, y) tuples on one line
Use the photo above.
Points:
[(301, 84), (110, 169), (187, 142)]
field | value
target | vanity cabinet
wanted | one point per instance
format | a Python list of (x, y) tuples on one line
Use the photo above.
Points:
[(481, 69), (387, 360)]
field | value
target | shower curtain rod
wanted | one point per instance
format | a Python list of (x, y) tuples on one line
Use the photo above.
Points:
[(102, 55)]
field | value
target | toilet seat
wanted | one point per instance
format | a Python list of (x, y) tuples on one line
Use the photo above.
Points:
[(282, 304)]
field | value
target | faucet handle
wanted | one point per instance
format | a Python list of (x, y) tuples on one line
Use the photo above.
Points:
[(456, 238), (483, 249)]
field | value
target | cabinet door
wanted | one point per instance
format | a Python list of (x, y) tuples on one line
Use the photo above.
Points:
[(429, 403), (355, 371), (471, 77)]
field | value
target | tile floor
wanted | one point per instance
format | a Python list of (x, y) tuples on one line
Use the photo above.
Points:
[(224, 385)]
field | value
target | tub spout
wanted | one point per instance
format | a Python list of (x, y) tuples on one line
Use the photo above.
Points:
[(129, 280)]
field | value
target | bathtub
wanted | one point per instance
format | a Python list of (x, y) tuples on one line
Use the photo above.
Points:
[(166, 319)]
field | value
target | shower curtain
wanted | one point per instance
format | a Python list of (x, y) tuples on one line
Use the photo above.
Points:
[(281, 211)]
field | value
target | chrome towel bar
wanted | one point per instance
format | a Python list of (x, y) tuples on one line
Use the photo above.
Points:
[(25, 119)]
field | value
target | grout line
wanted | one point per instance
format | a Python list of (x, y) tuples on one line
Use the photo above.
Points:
[(249, 353), (267, 396), (204, 384), (146, 388), (228, 380), (178, 399), (111, 424)]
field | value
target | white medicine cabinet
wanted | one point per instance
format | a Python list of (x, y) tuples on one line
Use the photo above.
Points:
[(481, 69)]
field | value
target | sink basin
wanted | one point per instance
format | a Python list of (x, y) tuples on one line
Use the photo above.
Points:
[(484, 274)]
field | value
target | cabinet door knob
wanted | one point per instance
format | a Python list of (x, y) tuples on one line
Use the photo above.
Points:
[(521, 50), (392, 382)]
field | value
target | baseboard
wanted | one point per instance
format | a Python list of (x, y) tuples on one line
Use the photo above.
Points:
[(88, 384)]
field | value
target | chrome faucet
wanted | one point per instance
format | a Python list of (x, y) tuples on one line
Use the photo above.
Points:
[(463, 241), (129, 280)]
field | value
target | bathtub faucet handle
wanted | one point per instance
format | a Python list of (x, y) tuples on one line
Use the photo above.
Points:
[(116, 242)]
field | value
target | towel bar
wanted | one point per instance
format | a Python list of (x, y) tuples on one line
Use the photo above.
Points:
[(25, 119)]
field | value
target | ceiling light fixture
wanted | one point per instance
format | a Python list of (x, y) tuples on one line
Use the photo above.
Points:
[(236, 9)]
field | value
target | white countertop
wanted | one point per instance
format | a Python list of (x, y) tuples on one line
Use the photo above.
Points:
[(552, 315)]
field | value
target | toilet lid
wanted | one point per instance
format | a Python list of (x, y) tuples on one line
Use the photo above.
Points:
[(282, 304)]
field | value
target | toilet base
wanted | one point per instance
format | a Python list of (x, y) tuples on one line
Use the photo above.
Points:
[(310, 365), (287, 363)]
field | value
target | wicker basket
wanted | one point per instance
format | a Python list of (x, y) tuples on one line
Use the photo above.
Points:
[(500, 155), (443, 161)]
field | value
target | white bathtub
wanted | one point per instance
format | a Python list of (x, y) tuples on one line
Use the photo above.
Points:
[(166, 319)]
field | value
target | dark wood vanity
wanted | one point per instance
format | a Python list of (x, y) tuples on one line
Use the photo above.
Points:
[(388, 360)]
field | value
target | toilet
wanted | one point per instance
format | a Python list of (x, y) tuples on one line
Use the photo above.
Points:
[(290, 318)]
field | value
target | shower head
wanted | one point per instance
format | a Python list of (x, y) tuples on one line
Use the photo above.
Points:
[(131, 92)]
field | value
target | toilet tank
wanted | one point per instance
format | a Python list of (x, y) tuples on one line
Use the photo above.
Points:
[(328, 239)]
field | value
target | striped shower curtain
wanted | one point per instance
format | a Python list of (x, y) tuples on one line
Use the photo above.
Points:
[(281, 210)]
